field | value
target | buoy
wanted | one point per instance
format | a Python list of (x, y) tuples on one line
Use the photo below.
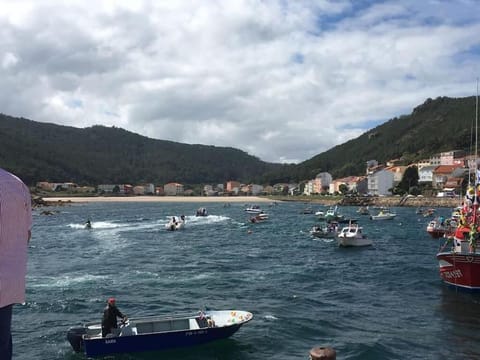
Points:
[(323, 353)]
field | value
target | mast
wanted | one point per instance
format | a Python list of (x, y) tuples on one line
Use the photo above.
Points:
[(475, 201)]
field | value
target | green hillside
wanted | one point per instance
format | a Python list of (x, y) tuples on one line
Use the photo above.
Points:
[(437, 125), (39, 151)]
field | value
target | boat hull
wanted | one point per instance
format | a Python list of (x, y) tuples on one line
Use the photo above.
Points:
[(352, 242), (154, 342), (461, 271)]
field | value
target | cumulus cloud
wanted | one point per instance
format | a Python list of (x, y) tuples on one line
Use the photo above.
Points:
[(282, 80)]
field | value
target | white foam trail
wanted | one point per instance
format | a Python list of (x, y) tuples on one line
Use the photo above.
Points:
[(67, 281)]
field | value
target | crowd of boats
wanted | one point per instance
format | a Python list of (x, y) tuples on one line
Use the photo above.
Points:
[(346, 231)]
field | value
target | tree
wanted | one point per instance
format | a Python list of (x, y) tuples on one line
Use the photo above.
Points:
[(409, 180), (343, 189)]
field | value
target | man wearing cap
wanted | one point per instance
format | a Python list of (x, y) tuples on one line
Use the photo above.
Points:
[(110, 314)]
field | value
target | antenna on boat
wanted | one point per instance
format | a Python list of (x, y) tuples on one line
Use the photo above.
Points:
[(475, 201)]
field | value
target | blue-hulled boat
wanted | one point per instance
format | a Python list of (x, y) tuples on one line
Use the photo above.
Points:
[(157, 333)]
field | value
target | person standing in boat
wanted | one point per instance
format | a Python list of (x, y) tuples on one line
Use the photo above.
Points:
[(110, 314)]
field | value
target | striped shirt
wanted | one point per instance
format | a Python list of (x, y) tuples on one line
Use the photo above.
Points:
[(15, 227)]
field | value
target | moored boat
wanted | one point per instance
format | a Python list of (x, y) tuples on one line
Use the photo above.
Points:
[(460, 265), (157, 333), (352, 236), (332, 214), (328, 232), (201, 212), (383, 215)]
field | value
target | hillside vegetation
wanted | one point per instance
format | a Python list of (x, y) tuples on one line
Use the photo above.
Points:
[(437, 125), (40, 151)]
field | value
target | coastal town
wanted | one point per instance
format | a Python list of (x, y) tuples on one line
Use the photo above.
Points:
[(442, 175)]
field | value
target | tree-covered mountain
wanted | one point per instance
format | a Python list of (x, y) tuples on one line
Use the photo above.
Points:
[(39, 151), (437, 125)]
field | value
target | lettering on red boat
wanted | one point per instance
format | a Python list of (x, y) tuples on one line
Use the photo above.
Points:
[(454, 274)]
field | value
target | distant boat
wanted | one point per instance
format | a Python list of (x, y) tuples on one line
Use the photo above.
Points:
[(307, 210), (157, 333), (175, 223), (383, 215), (202, 212), (332, 214), (260, 217), (253, 209), (352, 236), (328, 232)]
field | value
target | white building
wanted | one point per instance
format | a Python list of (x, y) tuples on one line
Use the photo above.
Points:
[(379, 182), (425, 174), (173, 189)]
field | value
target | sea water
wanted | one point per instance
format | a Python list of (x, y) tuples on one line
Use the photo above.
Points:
[(380, 302)]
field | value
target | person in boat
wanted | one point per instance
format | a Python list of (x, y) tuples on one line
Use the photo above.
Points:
[(110, 315)]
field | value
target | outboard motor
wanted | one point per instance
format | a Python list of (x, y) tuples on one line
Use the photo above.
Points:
[(74, 337)]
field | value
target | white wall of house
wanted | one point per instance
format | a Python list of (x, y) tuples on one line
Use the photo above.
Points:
[(425, 174), (173, 189), (256, 189), (379, 182), (309, 188)]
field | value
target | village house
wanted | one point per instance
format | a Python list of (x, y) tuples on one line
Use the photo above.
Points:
[(173, 189), (425, 174), (453, 157), (355, 184), (442, 173), (380, 182)]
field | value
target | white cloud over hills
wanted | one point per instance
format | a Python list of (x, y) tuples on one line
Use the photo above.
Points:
[(282, 80)]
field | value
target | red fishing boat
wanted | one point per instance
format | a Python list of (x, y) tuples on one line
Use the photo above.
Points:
[(460, 263)]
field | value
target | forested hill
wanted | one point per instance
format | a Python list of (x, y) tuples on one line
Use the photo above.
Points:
[(39, 151), (437, 125)]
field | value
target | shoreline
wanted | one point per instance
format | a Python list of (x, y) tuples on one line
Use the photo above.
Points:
[(166, 199), (378, 201)]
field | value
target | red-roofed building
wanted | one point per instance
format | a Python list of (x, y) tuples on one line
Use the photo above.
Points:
[(442, 173)]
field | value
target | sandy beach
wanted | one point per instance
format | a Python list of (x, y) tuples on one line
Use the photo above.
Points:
[(192, 199)]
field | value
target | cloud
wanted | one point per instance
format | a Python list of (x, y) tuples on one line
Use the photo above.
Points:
[(282, 80)]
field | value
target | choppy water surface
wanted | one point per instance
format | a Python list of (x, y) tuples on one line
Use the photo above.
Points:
[(382, 302)]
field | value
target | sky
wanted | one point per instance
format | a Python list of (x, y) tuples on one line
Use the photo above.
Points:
[(283, 80)]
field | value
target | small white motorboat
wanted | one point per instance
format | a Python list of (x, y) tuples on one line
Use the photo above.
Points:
[(327, 232), (176, 223), (383, 215), (254, 209), (352, 235), (259, 217)]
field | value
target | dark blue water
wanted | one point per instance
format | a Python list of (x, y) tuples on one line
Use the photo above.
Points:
[(382, 302)]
